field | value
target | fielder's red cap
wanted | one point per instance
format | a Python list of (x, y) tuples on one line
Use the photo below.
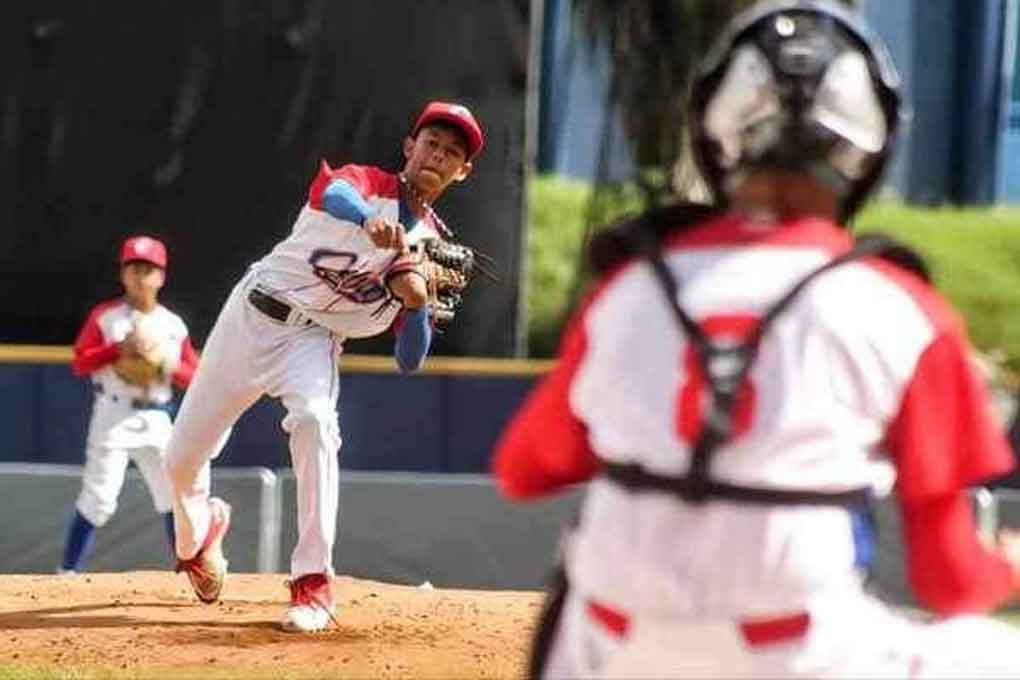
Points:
[(455, 114), (144, 248)]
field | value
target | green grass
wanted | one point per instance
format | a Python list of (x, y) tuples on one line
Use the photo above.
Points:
[(10, 671), (1012, 616), (974, 254)]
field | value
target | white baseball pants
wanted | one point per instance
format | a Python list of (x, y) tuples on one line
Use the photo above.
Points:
[(117, 435), (852, 638), (248, 355)]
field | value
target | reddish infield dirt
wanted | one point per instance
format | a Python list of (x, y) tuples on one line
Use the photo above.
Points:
[(149, 625)]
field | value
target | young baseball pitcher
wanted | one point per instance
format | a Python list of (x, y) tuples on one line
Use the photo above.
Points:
[(739, 382), (345, 271), (135, 351)]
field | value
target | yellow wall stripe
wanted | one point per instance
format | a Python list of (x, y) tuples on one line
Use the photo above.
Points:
[(350, 363)]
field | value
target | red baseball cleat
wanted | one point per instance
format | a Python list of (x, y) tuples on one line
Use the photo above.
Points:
[(311, 604), (208, 569)]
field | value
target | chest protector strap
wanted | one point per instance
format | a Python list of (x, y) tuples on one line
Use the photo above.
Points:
[(726, 367)]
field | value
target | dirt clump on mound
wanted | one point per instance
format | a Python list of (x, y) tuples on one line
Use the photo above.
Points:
[(149, 625)]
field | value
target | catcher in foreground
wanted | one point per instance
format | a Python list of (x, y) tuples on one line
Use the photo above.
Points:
[(357, 263), (744, 379), (135, 351)]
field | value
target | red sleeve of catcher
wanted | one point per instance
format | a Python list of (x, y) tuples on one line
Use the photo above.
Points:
[(944, 439), (91, 349), (950, 571), (946, 436), (187, 366), (545, 447)]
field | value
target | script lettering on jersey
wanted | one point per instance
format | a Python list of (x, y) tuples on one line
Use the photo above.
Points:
[(340, 271)]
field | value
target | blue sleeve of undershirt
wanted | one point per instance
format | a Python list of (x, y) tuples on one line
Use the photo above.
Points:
[(342, 201), (413, 340)]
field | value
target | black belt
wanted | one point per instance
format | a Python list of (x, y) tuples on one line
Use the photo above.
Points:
[(633, 477), (136, 403), (270, 306), (146, 405)]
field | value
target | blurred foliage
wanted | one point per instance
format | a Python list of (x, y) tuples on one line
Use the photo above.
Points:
[(654, 48), (974, 254), (558, 230)]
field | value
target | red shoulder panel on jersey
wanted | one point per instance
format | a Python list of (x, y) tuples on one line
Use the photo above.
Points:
[(734, 229), (185, 371), (367, 180), (91, 348), (545, 446)]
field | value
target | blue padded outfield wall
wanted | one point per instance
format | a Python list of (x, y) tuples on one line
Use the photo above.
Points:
[(443, 420)]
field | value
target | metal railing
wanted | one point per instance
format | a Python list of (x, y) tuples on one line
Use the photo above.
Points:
[(36, 501)]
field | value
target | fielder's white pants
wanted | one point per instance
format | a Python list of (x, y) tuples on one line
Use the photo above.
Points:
[(849, 638), (248, 355), (117, 435)]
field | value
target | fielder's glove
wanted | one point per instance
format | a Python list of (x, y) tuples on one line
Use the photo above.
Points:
[(146, 362), (138, 371)]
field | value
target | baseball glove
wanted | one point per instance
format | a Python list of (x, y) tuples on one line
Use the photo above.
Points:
[(145, 360), (449, 267), (138, 371)]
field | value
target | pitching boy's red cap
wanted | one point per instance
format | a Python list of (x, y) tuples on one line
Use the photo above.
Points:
[(144, 248), (455, 114)]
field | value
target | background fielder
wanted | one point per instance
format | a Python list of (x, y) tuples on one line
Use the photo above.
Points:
[(344, 272), (135, 351)]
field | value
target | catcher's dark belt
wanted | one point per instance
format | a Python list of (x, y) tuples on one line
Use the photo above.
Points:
[(635, 478), (270, 306)]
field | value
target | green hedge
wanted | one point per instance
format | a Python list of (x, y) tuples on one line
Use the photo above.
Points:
[(559, 212), (974, 255)]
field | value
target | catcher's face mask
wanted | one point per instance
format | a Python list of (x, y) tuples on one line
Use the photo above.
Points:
[(796, 85)]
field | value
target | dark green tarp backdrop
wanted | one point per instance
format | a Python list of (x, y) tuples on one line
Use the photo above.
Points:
[(202, 122)]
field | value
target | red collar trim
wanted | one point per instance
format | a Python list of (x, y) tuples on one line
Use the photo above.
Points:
[(738, 230)]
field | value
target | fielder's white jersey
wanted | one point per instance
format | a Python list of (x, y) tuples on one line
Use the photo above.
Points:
[(125, 416), (108, 324), (330, 269), (849, 370)]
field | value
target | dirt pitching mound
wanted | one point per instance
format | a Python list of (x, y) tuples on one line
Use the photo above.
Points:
[(149, 625)]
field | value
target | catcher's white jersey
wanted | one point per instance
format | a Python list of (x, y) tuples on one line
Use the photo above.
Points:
[(867, 359), (850, 343), (329, 268)]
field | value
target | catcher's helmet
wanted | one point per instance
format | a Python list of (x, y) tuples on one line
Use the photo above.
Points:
[(800, 85)]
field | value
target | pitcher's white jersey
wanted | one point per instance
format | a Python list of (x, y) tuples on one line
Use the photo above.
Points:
[(867, 359), (330, 269)]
